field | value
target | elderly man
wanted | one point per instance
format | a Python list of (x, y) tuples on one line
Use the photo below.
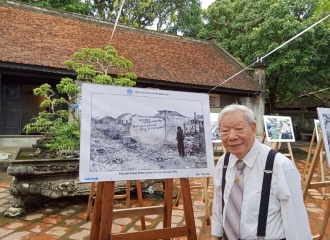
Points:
[(238, 211)]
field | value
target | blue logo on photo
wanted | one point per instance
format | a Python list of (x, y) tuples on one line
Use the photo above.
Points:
[(91, 178), (130, 91)]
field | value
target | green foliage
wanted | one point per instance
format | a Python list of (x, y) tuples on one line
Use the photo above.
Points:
[(249, 29), (323, 10), (76, 6), (67, 138), (186, 18), (91, 65), (60, 136), (173, 16), (137, 13), (42, 123), (178, 16)]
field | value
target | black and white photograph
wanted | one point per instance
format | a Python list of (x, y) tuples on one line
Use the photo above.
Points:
[(134, 133), (279, 129), (324, 118)]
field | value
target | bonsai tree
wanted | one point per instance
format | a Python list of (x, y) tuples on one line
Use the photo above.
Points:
[(60, 128)]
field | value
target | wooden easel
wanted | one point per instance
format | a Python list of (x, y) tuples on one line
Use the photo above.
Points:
[(104, 214), (307, 163), (309, 184), (206, 200), (205, 185), (290, 154), (310, 150), (127, 196), (91, 197), (320, 235)]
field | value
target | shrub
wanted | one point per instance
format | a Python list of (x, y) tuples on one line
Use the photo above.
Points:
[(61, 134)]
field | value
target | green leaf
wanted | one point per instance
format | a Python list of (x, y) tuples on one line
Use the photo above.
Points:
[(90, 65)]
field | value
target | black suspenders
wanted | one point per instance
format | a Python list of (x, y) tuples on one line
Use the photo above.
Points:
[(224, 170), (265, 192)]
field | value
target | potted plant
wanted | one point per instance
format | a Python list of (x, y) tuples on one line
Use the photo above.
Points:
[(54, 170), (61, 129)]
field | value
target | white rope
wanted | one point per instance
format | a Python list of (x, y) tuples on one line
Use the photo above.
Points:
[(261, 58), (114, 28)]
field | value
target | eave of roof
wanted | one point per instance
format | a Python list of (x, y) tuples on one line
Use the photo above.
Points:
[(42, 37), (309, 101)]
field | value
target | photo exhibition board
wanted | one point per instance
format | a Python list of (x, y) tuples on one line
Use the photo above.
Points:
[(278, 129), (317, 129), (216, 135), (130, 133), (324, 118)]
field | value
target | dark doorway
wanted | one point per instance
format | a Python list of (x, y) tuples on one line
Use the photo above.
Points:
[(11, 108), (18, 106)]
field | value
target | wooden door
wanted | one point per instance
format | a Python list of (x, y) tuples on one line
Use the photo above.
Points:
[(10, 109)]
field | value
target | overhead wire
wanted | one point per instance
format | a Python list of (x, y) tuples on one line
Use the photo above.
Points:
[(117, 19), (274, 50), (260, 59)]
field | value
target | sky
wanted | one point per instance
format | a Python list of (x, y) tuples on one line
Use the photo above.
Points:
[(206, 3)]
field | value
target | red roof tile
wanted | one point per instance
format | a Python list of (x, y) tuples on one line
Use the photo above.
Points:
[(43, 37)]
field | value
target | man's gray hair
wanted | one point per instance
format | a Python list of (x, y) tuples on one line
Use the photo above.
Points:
[(234, 108)]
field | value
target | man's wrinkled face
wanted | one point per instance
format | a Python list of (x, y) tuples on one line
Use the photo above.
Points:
[(237, 134)]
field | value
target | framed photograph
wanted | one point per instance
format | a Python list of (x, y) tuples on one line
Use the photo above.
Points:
[(278, 129), (324, 118), (216, 135), (317, 129), (214, 100), (130, 133)]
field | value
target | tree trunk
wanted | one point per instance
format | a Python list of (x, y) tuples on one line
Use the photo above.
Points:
[(272, 99)]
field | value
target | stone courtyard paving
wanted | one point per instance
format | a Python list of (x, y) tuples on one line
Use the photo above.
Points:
[(64, 218)]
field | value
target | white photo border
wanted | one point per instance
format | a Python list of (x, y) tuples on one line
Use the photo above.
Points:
[(275, 132), (324, 117), (197, 102), (317, 129)]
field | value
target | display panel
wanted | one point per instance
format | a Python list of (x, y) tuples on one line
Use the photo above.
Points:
[(132, 133), (279, 129)]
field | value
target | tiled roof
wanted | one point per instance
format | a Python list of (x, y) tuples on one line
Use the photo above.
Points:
[(46, 38)]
